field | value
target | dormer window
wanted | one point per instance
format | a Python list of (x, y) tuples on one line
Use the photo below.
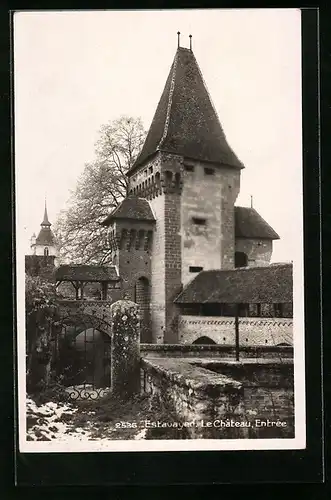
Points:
[(199, 221), (209, 171)]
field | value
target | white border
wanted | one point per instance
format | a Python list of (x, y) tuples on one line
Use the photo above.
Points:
[(299, 442)]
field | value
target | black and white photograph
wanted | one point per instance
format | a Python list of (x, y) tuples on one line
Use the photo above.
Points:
[(159, 230)]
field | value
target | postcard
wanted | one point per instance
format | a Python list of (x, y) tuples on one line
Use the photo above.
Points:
[(159, 230)]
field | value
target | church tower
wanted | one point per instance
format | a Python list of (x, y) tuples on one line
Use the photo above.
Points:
[(44, 244), (42, 260), (191, 178)]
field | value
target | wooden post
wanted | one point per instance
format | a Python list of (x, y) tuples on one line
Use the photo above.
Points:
[(236, 321), (104, 287)]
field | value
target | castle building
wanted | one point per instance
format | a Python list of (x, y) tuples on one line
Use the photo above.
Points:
[(42, 260), (180, 219)]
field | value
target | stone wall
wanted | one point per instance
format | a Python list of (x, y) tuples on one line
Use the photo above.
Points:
[(259, 252), (214, 351), (210, 197), (224, 400), (252, 331), (173, 264), (158, 271)]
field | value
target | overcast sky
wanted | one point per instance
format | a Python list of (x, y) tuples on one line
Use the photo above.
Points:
[(75, 71)]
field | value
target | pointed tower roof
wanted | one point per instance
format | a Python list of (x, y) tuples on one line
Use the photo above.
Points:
[(45, 221), (185, 121), (45, 236)]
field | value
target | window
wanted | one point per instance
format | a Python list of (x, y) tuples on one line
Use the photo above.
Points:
[(243, 310), (240, 259), (278, 310), (189, 168), (209, 171), (204, 341), (195, 269), (150, 170), (46, 252), (199, 221)]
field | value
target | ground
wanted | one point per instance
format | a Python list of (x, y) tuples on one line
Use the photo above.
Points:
[(102, 420)]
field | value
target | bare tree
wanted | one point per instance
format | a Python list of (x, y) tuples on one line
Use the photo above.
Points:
[(100, 188)]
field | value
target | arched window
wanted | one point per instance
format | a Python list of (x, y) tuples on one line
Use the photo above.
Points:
[(46, 251), (240, 259), (204, 341)]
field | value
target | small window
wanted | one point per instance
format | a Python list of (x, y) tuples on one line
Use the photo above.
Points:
[(189, 168), (195, 269), (209, 171), (150, 170), (199, 221), (46, 252)]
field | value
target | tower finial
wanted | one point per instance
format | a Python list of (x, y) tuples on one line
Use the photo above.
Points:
[(190, 42), (178, 37), (251, 201)]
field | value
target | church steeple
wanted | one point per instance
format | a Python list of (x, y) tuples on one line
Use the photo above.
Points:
[(45, 221), (45, 243), (185, 122)]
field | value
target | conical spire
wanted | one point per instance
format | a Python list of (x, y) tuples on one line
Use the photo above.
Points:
[(45, 221), (185, 121)]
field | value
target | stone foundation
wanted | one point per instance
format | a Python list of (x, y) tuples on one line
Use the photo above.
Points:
[(224, 400)]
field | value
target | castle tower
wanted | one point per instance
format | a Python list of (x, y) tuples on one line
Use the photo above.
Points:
[(191, 178), (44, 244), (130, 235)]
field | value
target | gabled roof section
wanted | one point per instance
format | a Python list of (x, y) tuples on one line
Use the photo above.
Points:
[(270, 284), (132, 208), (249, 224), (45, 237), (86, 273), (185, 121)]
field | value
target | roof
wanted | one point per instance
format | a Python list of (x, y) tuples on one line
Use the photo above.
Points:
[(250, 224), (131, 207), (45, 221), (45, 237), (185, 121), (86, 273), (269, 284)]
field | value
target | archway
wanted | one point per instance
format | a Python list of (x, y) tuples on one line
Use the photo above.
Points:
[(142, 298), (240, 259), (82, 351), (204, 340)]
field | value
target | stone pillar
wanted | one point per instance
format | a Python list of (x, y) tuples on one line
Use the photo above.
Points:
[(125, 349)]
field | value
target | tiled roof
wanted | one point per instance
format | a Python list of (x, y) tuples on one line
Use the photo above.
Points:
[(185, 121), (131, 207), (86, 273), (249, 224), (45, 237), (269, 284)]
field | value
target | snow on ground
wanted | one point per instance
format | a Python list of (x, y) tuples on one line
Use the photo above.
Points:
[(58, 422)]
